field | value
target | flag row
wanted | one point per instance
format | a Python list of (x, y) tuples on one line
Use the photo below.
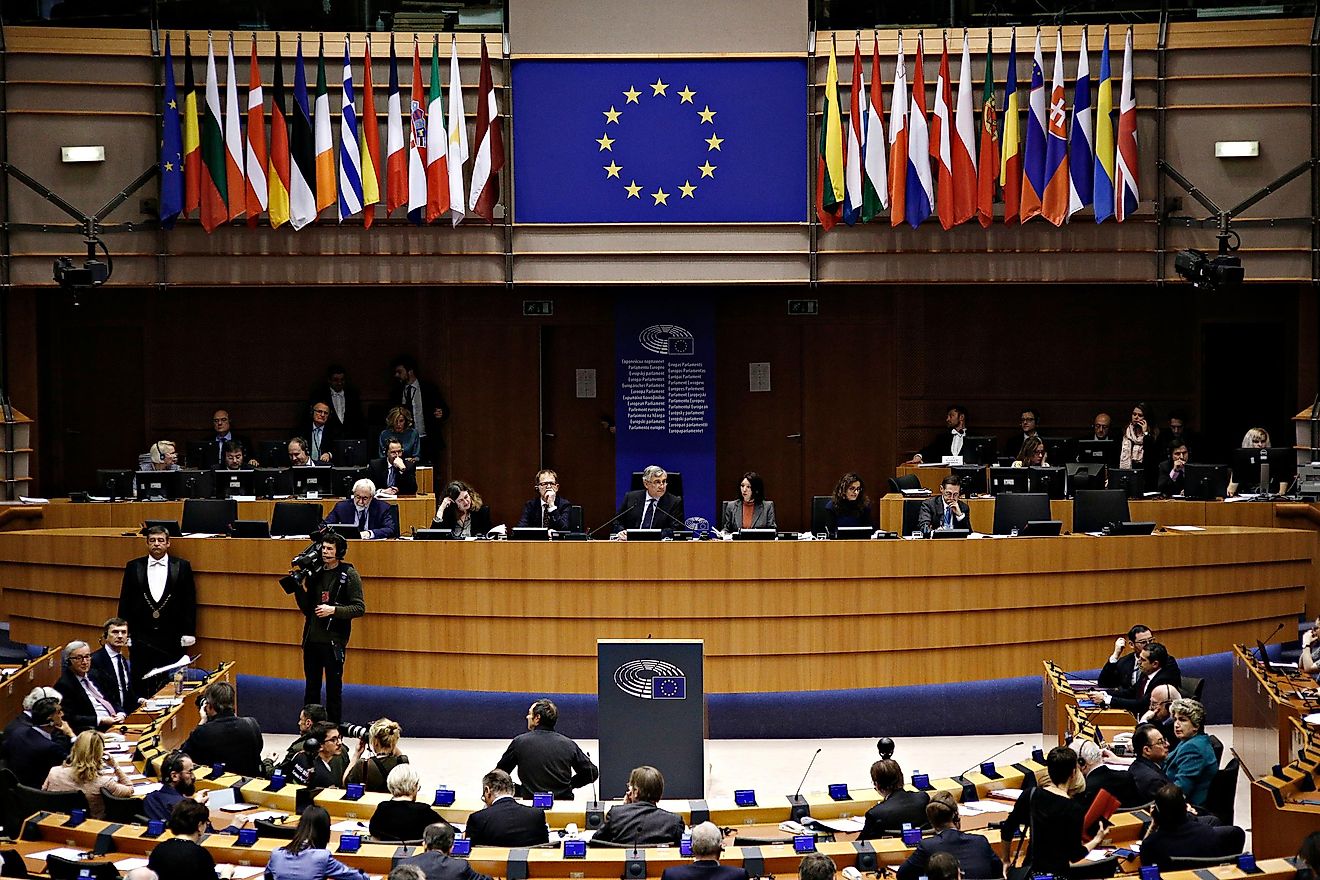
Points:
[(209, 165), (1053, 164)]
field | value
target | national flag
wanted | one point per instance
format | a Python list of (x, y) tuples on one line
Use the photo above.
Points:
[(256, 194), (1033, 160), (192, 139), (941, 140), (396, 150), (171, 149), (437, 142), (233, 141), (1010, 146), (325, 146), (920, 189), (417, 143), (875, 173), (898, 140), (369, 144), (350, 160), (458, 142), (1081, 153), (277, 165), (987, 168), (829, 161), (852, 171), (1054, 203), (1103, 189), (964, 145), (1126, 190), (214, 181), (302, 151), (489, 136)]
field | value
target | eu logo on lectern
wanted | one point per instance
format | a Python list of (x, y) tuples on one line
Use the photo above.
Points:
[(660, 141)]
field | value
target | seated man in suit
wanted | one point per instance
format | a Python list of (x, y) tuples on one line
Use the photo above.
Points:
[(320, 433), (651, 507), (34, 748), (897, 804), (638, 820), (111, 668), (86, 707), (1173, 471), (222, 435), (1177, 833), (947, 511), (393, 473), (177, 783), (1120, 670), (548, 510), (374, 518), (1160, 712), (546, 759), (505, 822), (1153, 663), (705, 864), (434, 860), (1149, 748), (1099, 776), (973, 851), (816, 866), (225, 738), (24, 717), (948, 442)]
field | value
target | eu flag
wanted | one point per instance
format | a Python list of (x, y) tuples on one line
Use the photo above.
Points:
[(669, 687), (171, 149), (660, 141)]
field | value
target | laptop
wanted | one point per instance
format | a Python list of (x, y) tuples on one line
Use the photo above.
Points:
[(347, 530), (1041, 528), (170, 525), (251, 528), (528, 533)]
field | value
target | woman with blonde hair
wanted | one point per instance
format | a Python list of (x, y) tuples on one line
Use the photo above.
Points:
[(399, 426), (87, 770), (373, 771)]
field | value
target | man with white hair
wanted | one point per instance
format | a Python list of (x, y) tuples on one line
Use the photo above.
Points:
[(24, 718), (651, 507), (706, 849), (86, 707), (1159, 714), (39, 745), (1099, 776), (374, 518)]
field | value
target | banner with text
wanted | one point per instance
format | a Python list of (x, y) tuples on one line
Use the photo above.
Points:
[(664, 398)]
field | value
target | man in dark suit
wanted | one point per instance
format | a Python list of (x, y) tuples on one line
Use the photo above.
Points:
[(435, 862), (392, 473), (974, 853), (35, 748), (638, 820), (651, 507), (1120, 670), (705, 864), (319, 433), (1176, 833), (897, 805), (1150, 749), (1153, 663), (158, 598), (424, 401), (1173, 470), (546, 759), (1030, 426), (947, 511), (111, 668), (345, 402), (505, 822), (1100, 777), (24, 717), (225, 738), (84, 704), (949, 441), (374, 518), (222, 434), (548, 510)]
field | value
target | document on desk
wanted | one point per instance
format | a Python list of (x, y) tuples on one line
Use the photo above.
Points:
[(29, 499), (1008, 794), (219, 798), (972, 808), (131, 864), (348, 825), (1185, 528), (64, 852), (142, 789), (840, 825)]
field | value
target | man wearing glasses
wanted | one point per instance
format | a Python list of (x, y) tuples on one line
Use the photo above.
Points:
[(1121, 670), (1029, 421), (650, 507), (324, 766), (86, 706), (549, 510), (1161, 699)]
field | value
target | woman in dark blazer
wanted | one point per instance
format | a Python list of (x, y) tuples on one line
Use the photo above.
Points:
[(752, 511), (462, 511), (849, 506)]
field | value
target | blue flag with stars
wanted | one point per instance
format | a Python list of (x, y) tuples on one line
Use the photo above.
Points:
[(660, 141), (171, 149)]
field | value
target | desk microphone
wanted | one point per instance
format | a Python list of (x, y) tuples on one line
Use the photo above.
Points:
[(991, 757), (615, 519), (672, 518), (798, 793), (1264, 658)]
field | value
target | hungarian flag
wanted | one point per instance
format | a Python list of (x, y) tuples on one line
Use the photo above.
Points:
[(396, 156), (988, 163), (898, 141), (875, 173), (171, 149), (302, 152), (369, 145), (233, 141), (350, 160), (437, 142), (1054, 205), (458, 142), (829, 160), (852, 172), (192, 143), (325, 145), (964, 145), (1010, 156), (417, 144), (941, 141), (1081, 155), (1103, 187), (255, 193), (920, 189), (277, 167), (490, 145), (1033, 164), (1126, 191), (214, 182)]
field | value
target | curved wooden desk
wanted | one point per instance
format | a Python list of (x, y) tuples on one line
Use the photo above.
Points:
[(789, 615)]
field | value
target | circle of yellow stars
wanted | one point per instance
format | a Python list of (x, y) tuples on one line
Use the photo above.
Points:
[(659, 89)]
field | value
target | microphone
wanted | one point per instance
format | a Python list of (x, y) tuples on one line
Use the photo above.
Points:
[(1273, 634), (810, 763), (991, 757), (798, 807), (616, 518), (672, 518)]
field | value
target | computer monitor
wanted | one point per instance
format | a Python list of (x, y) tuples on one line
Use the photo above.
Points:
[(1249, 464), (305, 480), (230, 483), (272, 481), (195, 483), (202, 455), (972, 477), (157, 485), (1130, 481), (1085, 475), (1008, 479), (1101, 451), (1058, 450), (1205, 482), (350, 453), (114, 484), (345, 477), (1093, 509), (673, 487), (979, 450), (273, 453), (1047, 480), (1014, 510)]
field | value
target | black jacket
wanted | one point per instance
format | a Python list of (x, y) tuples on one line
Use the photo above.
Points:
[(668, 515), (931, 515), (106, 677), (30, 754), (547, 761), (975, 856), (402, 820), (704, 869), (405, 481), (890, 814), (229, 740), (1192, 838), (438, 866), (641, 823), (507, 823), (1148, 777), (558, 519), (1136, 699), (78, 708)]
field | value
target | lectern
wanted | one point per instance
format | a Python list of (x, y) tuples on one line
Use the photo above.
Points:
[(652, 710)]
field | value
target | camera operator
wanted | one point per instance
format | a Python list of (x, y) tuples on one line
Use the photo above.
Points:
[(323, 762), (373, 770), (329, 594)]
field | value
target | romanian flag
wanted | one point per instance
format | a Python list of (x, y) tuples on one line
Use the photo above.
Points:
[(1054, 204), (192, 153), (255, 193), (490, 145), (437, 142), (875, 173), (417, 144), (1103, 188), (214, 182), (277, 168), (396, 149), (1081, 154), (941, 140), (920, 188), (1010, 156), (829, 161), (369, 146), (988, 166), (233, 141), (852, 173), (302, 152), (350, 160), (964, 144), (898, 140), (171, 149), (1126, 191), (324, 140), (1033, 161)]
